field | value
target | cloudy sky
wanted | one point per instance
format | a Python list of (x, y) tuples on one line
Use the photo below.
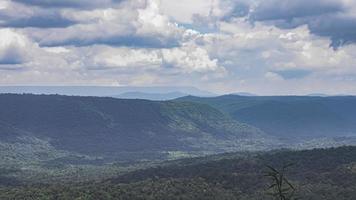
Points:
[(257, 46)]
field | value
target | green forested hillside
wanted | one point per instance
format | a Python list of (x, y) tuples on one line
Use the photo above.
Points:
[(53, 126), (290, 116), (319, 174)]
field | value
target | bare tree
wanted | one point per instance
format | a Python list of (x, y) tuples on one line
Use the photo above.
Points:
[(280, 187)]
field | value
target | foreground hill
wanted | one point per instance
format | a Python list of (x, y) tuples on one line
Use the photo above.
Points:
[(39, 127), (289, 116), (319, 174)]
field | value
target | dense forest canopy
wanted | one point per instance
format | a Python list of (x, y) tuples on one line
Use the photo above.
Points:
[(320, 174)]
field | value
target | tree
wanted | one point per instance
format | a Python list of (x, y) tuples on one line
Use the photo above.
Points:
[(280, 187)]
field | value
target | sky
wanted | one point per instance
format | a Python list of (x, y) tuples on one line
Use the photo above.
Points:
[(223, 46)]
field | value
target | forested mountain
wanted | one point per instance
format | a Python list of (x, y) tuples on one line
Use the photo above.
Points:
[(289, 116), (319, 174), (120, 129)]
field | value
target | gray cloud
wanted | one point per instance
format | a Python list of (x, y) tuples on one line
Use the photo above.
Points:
[(293, 74), (137, 24), (118, 40), (11, 56), (39, 21), (240, 8), (16, 15), (328, 18), (289, 9), (13, 48), (69, 3), (341, 29)]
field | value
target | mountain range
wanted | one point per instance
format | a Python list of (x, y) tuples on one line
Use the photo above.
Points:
[(152, 93), (46, 131), (151, 96), (289, 117), (120, 129)]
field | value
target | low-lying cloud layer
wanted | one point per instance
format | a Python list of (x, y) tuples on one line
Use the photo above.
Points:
[(261, 46)]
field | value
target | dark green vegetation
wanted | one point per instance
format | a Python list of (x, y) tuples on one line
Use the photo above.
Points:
[(290, 116), (318, 174)]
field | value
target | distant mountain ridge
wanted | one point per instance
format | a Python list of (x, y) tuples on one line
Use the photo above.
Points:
[(102, 91), (289, 116), (244, 94), (151, 96)]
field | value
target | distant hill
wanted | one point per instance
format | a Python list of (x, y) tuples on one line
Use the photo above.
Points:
[(244, 94), (101, 91), (289, 116), (120, 129), (318, 95), (151, 96)]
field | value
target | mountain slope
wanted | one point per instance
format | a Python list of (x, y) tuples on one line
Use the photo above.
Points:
[(290, 116), (118, 128)]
